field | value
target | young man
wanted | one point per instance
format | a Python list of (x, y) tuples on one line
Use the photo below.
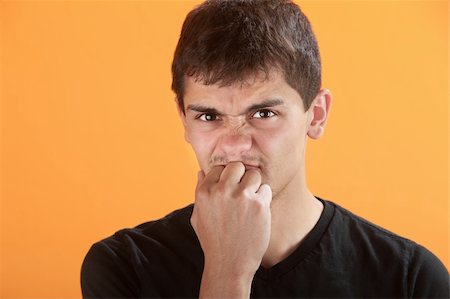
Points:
[(247, 77)]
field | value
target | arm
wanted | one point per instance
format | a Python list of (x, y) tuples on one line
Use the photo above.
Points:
[(427, 276), (232, 221), (224, 285), (106, 274)]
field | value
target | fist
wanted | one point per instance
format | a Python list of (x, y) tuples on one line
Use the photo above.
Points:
[(232, 219)]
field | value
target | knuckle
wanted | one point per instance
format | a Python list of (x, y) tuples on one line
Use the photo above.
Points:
[(242, 194), (248, 193), (202, 194), (220, 189), (239, 196), (265, 190), (258, 205)]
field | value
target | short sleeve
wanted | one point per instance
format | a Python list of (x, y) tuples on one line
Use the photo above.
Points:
[(427, 276), (105, 273)]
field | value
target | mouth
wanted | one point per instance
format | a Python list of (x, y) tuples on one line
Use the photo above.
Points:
[(248, 167)]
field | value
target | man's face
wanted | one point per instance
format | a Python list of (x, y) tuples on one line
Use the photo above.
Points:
[(262, 124)]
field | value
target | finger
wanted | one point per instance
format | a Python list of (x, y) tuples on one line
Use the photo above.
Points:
[(265, 193), (251, 180), (232, 173), (213, 175)]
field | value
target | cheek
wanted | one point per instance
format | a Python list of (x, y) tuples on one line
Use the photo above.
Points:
[(283, 148), (280, 141), (203, 146)]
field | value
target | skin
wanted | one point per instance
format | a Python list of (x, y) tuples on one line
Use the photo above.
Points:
[(252, 205)]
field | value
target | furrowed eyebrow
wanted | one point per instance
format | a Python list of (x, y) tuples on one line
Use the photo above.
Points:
[(265, 104), (203, 109)]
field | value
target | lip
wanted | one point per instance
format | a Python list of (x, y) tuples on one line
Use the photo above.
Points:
[(247, 167)]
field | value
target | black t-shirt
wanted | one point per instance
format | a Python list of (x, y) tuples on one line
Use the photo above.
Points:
[(343, 256)]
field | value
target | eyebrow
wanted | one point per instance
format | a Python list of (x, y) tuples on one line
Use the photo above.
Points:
[(265, 104)]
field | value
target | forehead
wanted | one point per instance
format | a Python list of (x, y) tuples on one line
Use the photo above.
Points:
[(256, 88)]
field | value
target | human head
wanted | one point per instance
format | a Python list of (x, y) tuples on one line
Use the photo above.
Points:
[(230, 41)]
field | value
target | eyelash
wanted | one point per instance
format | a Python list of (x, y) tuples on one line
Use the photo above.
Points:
[(262, 110)]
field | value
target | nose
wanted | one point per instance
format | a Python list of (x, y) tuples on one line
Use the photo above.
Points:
[(234, 145)]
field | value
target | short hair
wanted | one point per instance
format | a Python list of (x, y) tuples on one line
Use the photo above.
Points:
[(229, 41)]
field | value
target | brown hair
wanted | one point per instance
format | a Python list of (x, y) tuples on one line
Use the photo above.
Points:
[(228, 41)]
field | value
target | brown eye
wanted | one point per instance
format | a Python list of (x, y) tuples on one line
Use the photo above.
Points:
[(207, 117), (263, 114)]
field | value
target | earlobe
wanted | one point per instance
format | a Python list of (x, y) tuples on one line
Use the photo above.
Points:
[(319, 112)]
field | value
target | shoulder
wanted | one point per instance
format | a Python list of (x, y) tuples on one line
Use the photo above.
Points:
[(168, 231), (113, 266), (358, 226), (386, 252), (107, 272), (360, 231), (427, 275), (176, 223)]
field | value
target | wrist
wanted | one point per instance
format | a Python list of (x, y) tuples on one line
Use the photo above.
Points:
[(229, 271), (221, 283)]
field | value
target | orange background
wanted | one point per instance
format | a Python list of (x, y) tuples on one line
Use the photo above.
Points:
[(91, 141)]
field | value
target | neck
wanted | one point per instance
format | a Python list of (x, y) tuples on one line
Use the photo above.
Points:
[(295, 211)]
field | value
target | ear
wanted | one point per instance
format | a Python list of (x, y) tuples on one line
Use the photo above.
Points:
[(318, 114), (183, 120)]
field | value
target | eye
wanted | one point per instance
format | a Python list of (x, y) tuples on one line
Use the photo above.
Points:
[(207, 117), (264, 113)]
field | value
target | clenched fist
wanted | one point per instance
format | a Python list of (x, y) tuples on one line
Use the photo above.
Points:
[(232, 219)]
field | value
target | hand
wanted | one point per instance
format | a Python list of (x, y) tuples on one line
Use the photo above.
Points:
[(232, 219)]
